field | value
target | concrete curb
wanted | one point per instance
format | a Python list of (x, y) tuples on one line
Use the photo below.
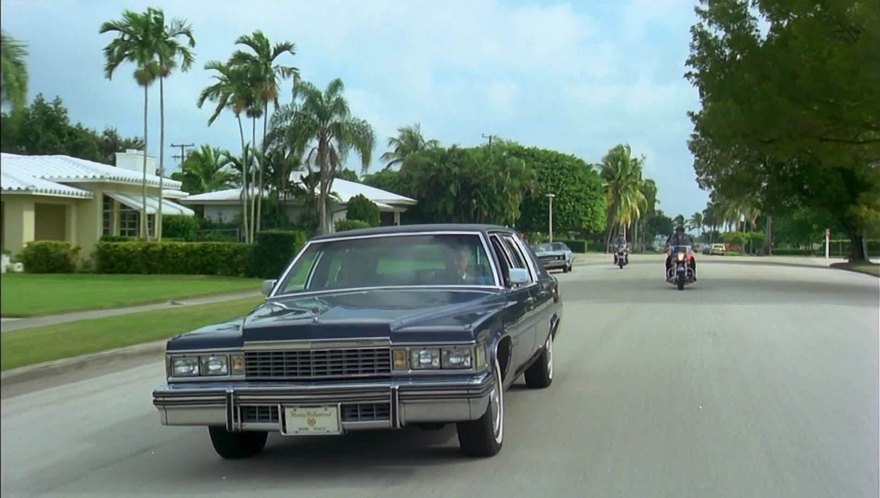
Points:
[(66, 365)]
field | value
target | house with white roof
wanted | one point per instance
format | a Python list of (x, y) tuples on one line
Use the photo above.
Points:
[(224, 206), (66, 198)]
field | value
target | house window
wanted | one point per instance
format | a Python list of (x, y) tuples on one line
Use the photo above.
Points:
[(151, 225), (129, 222), (108, 216)]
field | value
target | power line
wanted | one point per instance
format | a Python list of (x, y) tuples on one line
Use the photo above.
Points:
[(182, 155)]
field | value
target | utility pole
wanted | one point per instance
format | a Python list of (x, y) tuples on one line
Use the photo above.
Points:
[(550, 224), (182, 155), (490, 137)]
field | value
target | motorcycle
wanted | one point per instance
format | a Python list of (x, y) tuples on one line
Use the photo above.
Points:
[(621, 255), (680, 266)]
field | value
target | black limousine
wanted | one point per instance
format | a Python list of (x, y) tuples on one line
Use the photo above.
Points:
[(370, 329)]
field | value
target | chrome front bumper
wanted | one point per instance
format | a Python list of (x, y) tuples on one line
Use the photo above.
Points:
[(409, 401)]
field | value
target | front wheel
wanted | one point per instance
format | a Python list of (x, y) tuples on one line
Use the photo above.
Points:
[(680, 284), (566, 269), (483, 437), (540, 374), (237, 445)]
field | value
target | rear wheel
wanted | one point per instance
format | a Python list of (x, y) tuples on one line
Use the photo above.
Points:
[(236, 445), (540, 374), (484, 437)]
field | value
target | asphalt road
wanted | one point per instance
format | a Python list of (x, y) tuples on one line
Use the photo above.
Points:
[(758, 381)]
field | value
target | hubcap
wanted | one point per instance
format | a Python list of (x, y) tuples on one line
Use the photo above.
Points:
[(548, 347), (496, 405)]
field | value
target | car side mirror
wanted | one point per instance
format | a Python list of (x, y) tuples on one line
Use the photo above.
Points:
[(519, 276), (268, 285)]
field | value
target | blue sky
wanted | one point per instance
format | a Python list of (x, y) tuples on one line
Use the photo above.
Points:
[(578, 77)]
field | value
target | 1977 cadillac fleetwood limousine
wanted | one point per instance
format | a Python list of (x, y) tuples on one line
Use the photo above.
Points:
[(374, 329)]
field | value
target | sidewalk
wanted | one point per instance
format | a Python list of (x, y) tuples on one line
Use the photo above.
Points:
[(10, 324)]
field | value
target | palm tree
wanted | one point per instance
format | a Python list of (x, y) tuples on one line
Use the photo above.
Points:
[(696, 222), (14, 71), (205, 170), (232, 91), (408, 142), (622, 175), (169, 50), (321, 125), (135, 43), (265, 75)]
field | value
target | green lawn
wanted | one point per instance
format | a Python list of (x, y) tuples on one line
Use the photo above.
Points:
[(862, 267), (33, 295), (53, 342)]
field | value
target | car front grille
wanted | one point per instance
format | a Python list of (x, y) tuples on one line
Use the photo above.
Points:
[(351, 412), (318, 364)]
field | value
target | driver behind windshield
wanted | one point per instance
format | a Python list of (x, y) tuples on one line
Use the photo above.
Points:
[(464, 269)]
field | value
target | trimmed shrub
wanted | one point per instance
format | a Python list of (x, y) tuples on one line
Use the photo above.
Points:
[(181, 258), (343, 225), (117, 238), (179, 227), (273, 251), (792, 252), (363, 209), (49, 256)]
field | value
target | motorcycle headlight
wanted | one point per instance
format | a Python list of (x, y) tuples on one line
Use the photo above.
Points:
[(680, 256)]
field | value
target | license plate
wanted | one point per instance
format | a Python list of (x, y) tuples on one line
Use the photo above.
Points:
[(311, 420)]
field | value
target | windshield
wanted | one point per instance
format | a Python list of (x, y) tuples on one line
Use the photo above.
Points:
[(408, 260), (543, 248)]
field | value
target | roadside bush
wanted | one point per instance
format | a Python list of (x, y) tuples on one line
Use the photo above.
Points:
[(179, 227), (117, 238), (273, 251), (49, 256), (363, 209), (182, 258), (792, 252), (343, 225)]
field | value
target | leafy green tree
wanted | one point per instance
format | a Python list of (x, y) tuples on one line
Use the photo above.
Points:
[(348, 174), (13, 69), (135, 42), (579, 205), (362, 209), (787, 106), (206, 170), (658, 224), (171, 54), (408, 142), (110, 142), (696, 222), (622, 174)]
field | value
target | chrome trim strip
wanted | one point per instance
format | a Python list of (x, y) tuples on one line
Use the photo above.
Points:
[(395, 407), (190, 352), (230, 415), (291, 345)]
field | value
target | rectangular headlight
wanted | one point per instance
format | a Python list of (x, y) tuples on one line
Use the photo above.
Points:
[(457, 357), (184, 366), (214, 364), (421, 359)]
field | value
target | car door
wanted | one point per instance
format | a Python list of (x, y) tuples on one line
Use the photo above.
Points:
[(544, 296), (521, 259), (516, 316)]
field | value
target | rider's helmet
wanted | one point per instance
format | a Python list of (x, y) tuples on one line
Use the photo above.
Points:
[(679, 229)]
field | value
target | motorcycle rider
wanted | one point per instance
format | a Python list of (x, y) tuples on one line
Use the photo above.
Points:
[(619, 243), (679, 238)]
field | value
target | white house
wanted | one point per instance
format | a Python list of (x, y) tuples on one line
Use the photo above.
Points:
[(225, 205), (66, 198)]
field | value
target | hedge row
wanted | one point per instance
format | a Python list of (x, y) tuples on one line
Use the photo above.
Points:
[(49, 256), (267, 258)]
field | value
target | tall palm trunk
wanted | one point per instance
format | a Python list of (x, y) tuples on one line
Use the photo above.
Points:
[(244, 183), (260, 178), (254, 178), (145, 233), (161, 156)]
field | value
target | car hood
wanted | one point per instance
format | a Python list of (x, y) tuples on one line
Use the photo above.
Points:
[(401, 315)]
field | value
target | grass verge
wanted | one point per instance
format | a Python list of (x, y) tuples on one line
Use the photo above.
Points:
[(65, 340), (865, 267), (25, 295)]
